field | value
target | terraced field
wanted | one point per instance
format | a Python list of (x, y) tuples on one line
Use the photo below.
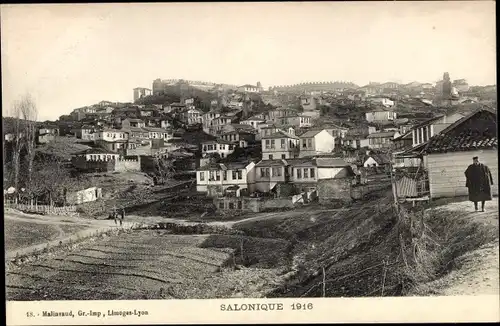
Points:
[(139, 265)]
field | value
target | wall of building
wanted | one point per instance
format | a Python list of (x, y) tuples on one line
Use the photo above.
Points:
[(328, 173), (446, 171), (84, 196), (93, 166), (128, 165)]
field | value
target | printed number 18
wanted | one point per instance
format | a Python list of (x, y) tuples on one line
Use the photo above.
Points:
[(30, 314), (298, 306)]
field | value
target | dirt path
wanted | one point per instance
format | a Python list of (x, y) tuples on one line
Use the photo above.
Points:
[(477, 272)]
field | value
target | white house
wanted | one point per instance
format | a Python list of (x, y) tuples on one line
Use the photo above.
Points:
[(381, 100), (280, 145), (448, 154), (300, 121), (221, 178), (207, 118), (159, 133), (269, 173), (141, 92), (254, 122), (219, 146), (136, 123), (382, 139), (192, 116), (380, 116), (111, 135), (249, 89), (314, 142)]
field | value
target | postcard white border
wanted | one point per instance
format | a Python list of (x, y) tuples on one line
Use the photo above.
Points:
[(325, 310)]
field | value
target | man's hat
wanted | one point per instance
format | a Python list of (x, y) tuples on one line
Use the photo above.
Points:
[(475, 158)]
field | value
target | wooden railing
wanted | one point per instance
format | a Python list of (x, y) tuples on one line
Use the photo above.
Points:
[(43, 209)]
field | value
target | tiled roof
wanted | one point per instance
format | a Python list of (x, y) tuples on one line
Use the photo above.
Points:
[(381, 134), (311, 133), (330, 162), (96, 150), (478, 130), (224, 166), (301, 162), (407, 135), (280, 134), (380, 158), (155, 129), (217, 141), (267, 163)]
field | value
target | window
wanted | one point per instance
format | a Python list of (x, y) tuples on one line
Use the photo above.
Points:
[(299, 173), (222, 155), (240, 205), (312, 173), (283, 156), (276, 172), (306, 174), (309, 143), (268, 144), (240, 175), (304, 144), (224, 175), (212, 177), (202, 176), (283, 143), (264, 172), (231, 205), (270, 156), (272, 143), (425, 134), (235, 177)]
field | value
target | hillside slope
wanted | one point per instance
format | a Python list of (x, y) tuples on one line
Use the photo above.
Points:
[(370, 250)]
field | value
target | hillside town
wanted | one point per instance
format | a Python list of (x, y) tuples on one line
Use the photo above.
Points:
[(249, 148)]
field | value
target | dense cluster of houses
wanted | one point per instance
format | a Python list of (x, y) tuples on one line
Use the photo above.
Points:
[(298, 154)]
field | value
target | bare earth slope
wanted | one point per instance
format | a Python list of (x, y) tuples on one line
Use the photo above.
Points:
[(477, 271)]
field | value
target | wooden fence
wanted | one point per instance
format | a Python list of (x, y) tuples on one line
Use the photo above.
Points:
[(43, 209)]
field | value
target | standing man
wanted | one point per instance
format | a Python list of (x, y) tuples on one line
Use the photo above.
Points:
[(479, 181), (122, 217)]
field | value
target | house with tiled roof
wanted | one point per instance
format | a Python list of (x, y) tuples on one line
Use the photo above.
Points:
[(217, 179), (280, 145), (382, 139), (378, 115), (423, 131), (129, 122), (377, 160), (313, 142), (253, 121), (303, 173), (448, 154), (240, 137), (218, 146), (296, 120)]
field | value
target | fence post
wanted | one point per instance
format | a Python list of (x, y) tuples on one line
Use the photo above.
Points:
[(383, 278), (324, 283)]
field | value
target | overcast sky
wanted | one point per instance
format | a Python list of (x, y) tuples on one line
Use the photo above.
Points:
[(74, 55)]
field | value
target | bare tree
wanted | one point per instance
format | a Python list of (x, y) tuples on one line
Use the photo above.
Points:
[(16, 144), (29, 113)]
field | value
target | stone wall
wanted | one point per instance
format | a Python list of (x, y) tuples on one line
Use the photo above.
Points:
[(334, 190)]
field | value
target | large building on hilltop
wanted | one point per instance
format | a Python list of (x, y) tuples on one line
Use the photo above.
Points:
[(159, 85), (140, 92)]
